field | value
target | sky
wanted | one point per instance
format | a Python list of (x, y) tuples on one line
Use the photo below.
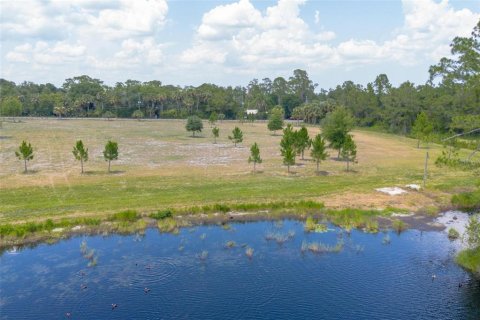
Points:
[(186, 42)]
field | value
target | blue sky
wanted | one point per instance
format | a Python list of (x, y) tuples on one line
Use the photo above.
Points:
[(228, 42)]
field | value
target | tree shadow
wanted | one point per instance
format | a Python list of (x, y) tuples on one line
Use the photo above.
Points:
[(5, 137), (322, 173), (30, 171)]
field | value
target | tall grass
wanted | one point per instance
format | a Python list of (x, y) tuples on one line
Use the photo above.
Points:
[(468, 201)]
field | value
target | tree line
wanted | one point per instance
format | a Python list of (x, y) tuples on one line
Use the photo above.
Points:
[(450, 99)]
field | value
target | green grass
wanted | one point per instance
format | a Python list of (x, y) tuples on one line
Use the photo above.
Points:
[(470, 260), (468, 201), (160, 166)]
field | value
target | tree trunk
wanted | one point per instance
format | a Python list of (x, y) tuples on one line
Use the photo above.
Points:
[(288, 168), (338, 156), (254, 166), (81, 164), (418, 144), (25, 163), (302, 154), (348, 162), (109, 166), (318, 162), (214, 140)]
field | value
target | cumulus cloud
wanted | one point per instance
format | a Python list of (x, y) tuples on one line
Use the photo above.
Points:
[(43, 53), (240, 32)]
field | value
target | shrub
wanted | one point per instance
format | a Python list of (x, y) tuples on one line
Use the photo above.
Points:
[(470, 259), (453, 234), (399, 226), (126, 216), (168, 225), (468, 201), (159, 215)]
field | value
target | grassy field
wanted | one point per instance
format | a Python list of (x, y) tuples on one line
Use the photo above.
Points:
[(161, 166)]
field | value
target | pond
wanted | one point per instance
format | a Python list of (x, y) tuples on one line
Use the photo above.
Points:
[(205, 273)]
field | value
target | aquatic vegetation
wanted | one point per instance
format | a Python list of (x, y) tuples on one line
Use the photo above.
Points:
[(249, 252), (399, 226), (203, 236), (386, 239), (359, 248), (279, 237), (203, 255), (88, 254), (162, 214), (311, 225), (318, 247), (226, 226), (453, 234), (230, 244), (371, 226), (83, 247), (168, 225)]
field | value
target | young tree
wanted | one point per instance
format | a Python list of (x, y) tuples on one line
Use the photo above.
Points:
[(25, 153), (111, 152), (422, 128), (287, 147), (216, 133), (138, 114), (275, 120), (302, 141), (194, 124), (349, 150), (336, 126), (237, 136), (80, 153), (254, 156), (318, 152), (213, 118)]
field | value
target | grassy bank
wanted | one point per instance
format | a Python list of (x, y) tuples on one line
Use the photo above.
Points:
[(470, 260), (170, 220)]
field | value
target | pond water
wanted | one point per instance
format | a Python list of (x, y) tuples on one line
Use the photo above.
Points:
[(194, 275)]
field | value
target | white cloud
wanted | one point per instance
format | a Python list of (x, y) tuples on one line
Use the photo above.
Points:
[(239, 32), (43, 53)]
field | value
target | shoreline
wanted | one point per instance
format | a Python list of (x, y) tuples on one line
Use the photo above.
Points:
[(382, 221)]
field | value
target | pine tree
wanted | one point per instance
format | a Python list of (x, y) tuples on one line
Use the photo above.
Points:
[(216, 133), (237, 136), (80, 153), (254, 156), (302, 141), (318, 152), (25, 153), (349, 150), (111, 152)]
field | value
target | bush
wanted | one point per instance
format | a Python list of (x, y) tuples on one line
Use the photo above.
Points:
[(126, 216), (221, 208), (159, 215), (470, 260), (468, 201), (453, 234)]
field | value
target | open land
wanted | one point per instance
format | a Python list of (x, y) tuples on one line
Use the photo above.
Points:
[(161, 166)]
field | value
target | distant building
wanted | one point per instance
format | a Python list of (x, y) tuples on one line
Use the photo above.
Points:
[(252, 111)]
